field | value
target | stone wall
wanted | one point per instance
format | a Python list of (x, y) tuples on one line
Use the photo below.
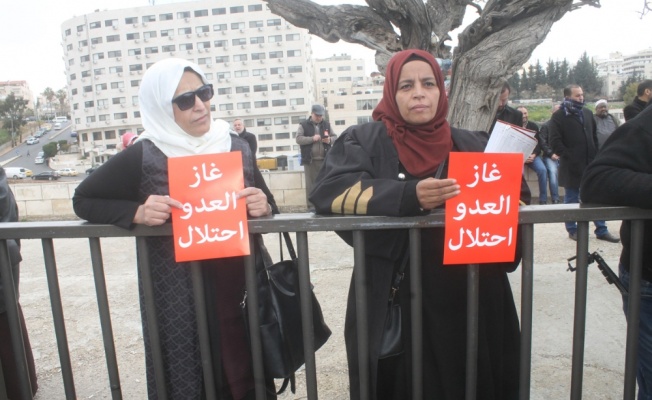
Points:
[(45, 200)]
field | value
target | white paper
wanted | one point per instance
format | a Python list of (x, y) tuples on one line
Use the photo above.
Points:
[(508, 138)]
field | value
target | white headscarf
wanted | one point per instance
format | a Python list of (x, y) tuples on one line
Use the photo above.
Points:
[(155, 97)]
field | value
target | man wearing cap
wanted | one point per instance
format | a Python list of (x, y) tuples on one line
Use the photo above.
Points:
[(605, 123), (315, 137)]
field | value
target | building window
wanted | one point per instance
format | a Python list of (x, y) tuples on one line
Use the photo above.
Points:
[(223, 91), (260, 88), (295, 69), (204, 61), (344, 68), (165, 17), (204, 45), (115, 70), (294, 53), (113, 38), (223, 75), (297, 102), (226, 107), (338, 106), (275, 54), (219, 11), (131, 20), (201, 13), (80, 28), (202, 29), (168, 49), (366, 104), (256, 24), (135, 83), (258, 56), (183, 14), (278, 86), (242, 89), (261, 104), (84, 59), (237, 25), (117, 85), (82, 43), (90, 104), (73, 77), (282, 135), (185, 46), (281, 121), (95, 25), (111, 22), (219, 27), (184, 31), (167, 32), (135, 52), (89, 119), (120, 115), (136, 67), (85, 74), (220, 43), (275, 38), (96, 40), (239, 41), (236, 9), (279, 103), (295, 85), (151, 50), (98, 71), (118, 100), (149, 35), (221, 59), (291, 37), (133, 36), (340, 122), (148, 18), (274, 22), (240, 57), (264, 122), (364, 120), (104, 117), (244, 105), (259, 72), (100, 87), (265, 136), (255, 7), (257, 40)]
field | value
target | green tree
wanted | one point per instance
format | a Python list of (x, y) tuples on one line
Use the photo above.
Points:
[(539, 74), (585, 74), (552, 74), (12, 111), (525, 81), (515, 83), (50, 149), (61, 95), (564, 75), (49, 95), (629, 92)]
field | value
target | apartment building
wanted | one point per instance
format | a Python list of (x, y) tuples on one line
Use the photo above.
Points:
[(348, 94), (617, 68), (260, 66), (19, 89)]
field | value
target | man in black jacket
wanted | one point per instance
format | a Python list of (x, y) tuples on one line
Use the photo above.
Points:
[(505, 112), (643, 95), (315, 137), (242, 131), (573, 137), (621, 175)]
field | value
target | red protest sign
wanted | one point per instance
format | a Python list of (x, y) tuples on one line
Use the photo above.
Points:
[(481, 221), (212, 223)]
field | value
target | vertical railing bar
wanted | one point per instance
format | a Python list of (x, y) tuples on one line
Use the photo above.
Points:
[(306, 315), (152, 317), (13, 317), (633, 308), (527, 296), (3, 384), (58, 318), (416, 289), (579, 325), (362, 312), (105, 317), (254, 322), (472, 308), (202, 330)]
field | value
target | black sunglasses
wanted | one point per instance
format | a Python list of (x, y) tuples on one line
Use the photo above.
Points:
[(186, 101)]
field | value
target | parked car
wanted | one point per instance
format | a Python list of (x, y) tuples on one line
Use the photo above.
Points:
[(39, 160), (92, 169), (46, 176), (16, 172), (28, 172), (73, 134), (40, 133), (32, 140), (67, 172), (57, 126)]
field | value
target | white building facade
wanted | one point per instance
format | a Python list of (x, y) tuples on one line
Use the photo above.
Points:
[(260, 67)]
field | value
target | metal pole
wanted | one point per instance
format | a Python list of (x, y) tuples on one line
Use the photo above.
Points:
[(579, 327), (416, 289), (633, 308), (362, 312), (202, 330), (254, 322), (472, 298), (306, 315), (527, 295)]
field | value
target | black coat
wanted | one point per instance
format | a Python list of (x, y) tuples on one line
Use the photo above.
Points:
[(621, 175), (9, 213), (574, 143), (363, 167)]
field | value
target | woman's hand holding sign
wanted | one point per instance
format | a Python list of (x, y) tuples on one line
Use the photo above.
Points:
[(257, 205), (156, 210)]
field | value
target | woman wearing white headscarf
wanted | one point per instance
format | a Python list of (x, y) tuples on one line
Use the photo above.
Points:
[(132, 188)]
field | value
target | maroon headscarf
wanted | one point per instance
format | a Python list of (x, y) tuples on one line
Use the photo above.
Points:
[(421, 148)]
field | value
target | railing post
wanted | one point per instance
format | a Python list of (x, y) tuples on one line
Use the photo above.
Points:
[(527, 282), (472, 299), (306, 315), (416, 289), (254, 322), (362, 312), (579, 325), (633, 308), (58, 319), (202, 330), (13, 318)]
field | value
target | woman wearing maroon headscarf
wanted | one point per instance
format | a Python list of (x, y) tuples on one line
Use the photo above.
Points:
[(396, 166)]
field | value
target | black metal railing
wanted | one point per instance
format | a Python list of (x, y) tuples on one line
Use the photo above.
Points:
[(301, 224)]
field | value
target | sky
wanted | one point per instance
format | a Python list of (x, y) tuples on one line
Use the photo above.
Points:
[(31, 35)]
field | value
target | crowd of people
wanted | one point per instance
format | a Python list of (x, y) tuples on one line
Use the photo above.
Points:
[(396, 165)]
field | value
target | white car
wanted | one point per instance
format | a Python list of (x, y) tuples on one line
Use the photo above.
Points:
[(32, 140), (67, 172)]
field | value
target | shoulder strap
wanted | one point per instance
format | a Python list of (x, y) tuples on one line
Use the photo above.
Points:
[(288, 243)]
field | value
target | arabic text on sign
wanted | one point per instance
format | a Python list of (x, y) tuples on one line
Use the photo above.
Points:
[(470, 238), (207, 234)]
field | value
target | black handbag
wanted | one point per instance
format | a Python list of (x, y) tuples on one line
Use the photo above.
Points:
[(279, 309), (391, 344)]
